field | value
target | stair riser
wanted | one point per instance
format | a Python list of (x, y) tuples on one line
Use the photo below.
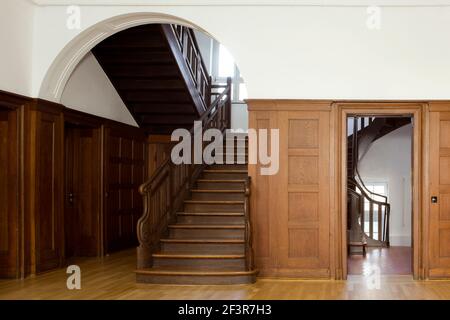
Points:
[(206, 233), (216, 220), (228, 167), (200, 207), (220, 186), (206, 280), (224, 176), (237, 159), (212, 196), (202, 248), (211, 264)]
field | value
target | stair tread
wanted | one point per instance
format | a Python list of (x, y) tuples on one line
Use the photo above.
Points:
[(215, 201), (225, 171), (216, 191), (211, 214), (229, 241), (220, 181), (207, 226), (193, 272), (198, 256)]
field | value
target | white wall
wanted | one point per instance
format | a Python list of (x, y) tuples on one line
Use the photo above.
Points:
[(389, 160), (16, 38), (300, 51), (284, 51), (89, 90)]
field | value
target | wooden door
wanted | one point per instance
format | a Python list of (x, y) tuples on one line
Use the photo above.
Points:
[(439, 207), (9, 266), (82, 192), (304, 196)]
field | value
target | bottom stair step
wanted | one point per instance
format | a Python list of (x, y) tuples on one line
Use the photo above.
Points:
[(161, 275), (233, 262)]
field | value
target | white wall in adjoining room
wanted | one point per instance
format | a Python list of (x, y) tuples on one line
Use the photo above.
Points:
[(16, 37), (389, 160), (89, 90)]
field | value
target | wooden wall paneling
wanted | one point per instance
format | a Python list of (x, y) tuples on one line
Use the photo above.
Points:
[(125, 171), (49, 187), (291, 210), (439, 175), (159, 148), (263, 206), (82, 191), (9, 193), (304, 207)]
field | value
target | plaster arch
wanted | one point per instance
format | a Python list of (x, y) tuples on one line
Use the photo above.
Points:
[(67, 60)]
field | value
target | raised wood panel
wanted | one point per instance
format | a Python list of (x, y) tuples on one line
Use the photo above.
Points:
[(49, 191), (439, 225), (303, 207), (264, 222), (125, 172), (309, 137), (9, 266), (304, 242), (303, 170)]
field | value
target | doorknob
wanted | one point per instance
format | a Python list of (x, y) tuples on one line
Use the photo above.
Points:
[(70, 197), (434, 199)]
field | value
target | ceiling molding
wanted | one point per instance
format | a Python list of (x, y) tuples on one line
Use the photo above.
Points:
[(256, 3)]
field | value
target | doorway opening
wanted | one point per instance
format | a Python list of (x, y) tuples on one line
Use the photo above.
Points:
[(379, 158), (82, 214)]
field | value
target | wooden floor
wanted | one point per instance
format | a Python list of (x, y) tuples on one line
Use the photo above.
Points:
[(113, 278), (391, 261)]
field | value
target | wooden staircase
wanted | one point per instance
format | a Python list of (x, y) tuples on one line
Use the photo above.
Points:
[(158, 71), (206, 242)]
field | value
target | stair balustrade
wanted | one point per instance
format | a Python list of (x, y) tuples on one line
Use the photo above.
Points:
[(164, 193)]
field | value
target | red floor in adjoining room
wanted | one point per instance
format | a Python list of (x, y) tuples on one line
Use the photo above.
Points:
[(393, 260)]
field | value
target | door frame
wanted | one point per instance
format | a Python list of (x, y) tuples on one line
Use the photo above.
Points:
[(419, 178)]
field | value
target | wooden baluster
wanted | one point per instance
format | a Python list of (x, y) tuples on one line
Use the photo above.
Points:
[(371, 219), (380, 223), (363, 212)]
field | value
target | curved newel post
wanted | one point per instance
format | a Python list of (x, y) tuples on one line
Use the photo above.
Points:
[(144, 251), (248, 228)]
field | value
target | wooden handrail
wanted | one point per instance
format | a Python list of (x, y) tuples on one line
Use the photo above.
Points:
[(361, 182), (383, 219), (187, 53), (163, 194)]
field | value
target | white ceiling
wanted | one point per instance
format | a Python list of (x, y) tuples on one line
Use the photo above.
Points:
[(356, 3)]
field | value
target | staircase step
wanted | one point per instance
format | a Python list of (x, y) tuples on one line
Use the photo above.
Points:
[(213, 206), (216, 184), (213, 218), (213, 174), (199, 231), (224, 195), (234, 262), (202, 247), (172, 275), (224, 166)]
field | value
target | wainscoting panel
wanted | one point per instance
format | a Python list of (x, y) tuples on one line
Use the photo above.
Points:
[(291, 210)]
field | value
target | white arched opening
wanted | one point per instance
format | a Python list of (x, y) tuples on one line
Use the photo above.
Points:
[(65, 63)]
